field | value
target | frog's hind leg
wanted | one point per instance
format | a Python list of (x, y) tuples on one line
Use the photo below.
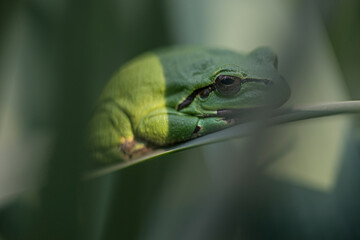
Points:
[(111, 138)]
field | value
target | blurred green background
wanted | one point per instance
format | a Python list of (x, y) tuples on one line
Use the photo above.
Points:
[(55, 58)]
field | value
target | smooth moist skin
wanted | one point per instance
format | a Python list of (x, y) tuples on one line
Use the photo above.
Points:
[(175, 94)]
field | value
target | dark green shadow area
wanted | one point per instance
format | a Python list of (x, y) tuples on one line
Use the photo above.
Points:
[(98, 38), (83, 44)]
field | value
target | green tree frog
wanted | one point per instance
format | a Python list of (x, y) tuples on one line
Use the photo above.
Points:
[(171, 95)]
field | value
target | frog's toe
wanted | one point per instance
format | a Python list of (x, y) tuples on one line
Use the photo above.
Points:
[(131, 149)]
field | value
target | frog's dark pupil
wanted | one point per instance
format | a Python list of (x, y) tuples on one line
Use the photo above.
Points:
[(227, 81), (227, 85)]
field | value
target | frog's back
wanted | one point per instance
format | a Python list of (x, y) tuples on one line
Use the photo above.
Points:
[(137, 83), (166, 73), (188, 68)]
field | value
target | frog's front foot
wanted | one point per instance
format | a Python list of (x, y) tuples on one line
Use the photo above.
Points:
[(131, 149)]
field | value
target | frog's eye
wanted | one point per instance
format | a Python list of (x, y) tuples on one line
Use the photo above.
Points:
[(227, 85)]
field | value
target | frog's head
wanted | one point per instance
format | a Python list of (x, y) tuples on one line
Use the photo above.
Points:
[(234, 82)]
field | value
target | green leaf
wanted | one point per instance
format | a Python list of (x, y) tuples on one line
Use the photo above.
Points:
[(267, 119)]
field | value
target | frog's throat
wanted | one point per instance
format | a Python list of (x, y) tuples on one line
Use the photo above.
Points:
[(212, 87)]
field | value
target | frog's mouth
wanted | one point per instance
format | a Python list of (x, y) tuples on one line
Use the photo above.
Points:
[(230, 113), (239, 115), (245, 114)]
